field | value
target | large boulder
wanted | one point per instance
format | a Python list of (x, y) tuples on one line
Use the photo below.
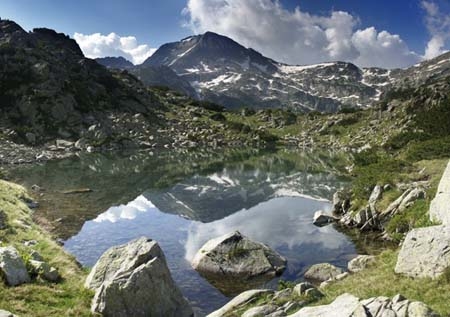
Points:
[(348, 305), (12, 267), (234, 257), (425, 252), (322, 272), (440, 206), (133, 280)]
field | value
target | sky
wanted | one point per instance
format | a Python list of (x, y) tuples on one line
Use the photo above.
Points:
[(383, 33)]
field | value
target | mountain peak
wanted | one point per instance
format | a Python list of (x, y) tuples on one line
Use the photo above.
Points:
[(117, 62)]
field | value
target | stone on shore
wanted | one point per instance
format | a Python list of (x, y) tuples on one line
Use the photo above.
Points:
[(347, 305), (12, 267), (4, 313), (241, 299), (235, 255), (133, 280), (360, 263), (322, 272), (440, 206), (425, 252)]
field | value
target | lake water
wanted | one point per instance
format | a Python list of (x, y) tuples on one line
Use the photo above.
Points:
[(184, 199)]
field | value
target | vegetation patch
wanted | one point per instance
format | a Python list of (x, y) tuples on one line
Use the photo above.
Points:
[(39, 298)]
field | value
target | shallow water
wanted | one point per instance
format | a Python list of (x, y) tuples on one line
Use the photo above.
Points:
[(182, 201)]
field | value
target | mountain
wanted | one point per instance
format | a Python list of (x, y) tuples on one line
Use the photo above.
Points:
[(151, 75), (49, 89), (225, 72), (115, 62)]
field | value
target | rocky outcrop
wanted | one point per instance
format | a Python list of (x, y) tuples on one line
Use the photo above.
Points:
[(133, 280), (425, 252), (236, 256), (440, 206), (360, 263), (12, 267), (347, 305), (322, 272)]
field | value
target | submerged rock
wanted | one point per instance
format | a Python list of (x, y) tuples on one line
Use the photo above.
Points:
[(322, 272), (12, 267), (234, 255), (425, 252), (133, 280)]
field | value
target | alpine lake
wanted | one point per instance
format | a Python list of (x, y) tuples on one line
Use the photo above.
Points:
[(182, 199)]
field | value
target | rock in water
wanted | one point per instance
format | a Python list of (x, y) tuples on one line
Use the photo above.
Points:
[(235, 254), (425, 252), (12, 267), (234, 257), (322, 272), (133, 280), (322, 219)]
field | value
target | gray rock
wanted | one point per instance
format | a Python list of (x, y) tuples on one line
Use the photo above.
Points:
[(322, 219), (345, 305), (425, 252), (440, 206), (45, 271), (375, 196), (322, 272), (64, 143), (301, 288), (240, 300), (4, 313), (12, 266), (360, 263), (236, 255), (341, 202), (260, 311), (133, 280), (313, 293)]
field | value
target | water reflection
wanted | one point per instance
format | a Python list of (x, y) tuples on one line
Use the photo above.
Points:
[(184, 199), (283, 223)]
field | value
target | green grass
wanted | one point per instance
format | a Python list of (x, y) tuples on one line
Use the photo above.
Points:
[(39, 298), (380, 279)]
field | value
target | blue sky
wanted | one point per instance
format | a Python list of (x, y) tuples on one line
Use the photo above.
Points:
[(153, 23)]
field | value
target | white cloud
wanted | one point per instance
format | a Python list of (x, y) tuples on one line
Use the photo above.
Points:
[(99, 45), (438, 25), (298, 37)]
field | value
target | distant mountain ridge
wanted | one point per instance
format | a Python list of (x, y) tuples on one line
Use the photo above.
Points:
[(223, 71), (151, 75)]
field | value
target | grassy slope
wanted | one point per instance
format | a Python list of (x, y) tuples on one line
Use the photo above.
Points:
[(39, 298)]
